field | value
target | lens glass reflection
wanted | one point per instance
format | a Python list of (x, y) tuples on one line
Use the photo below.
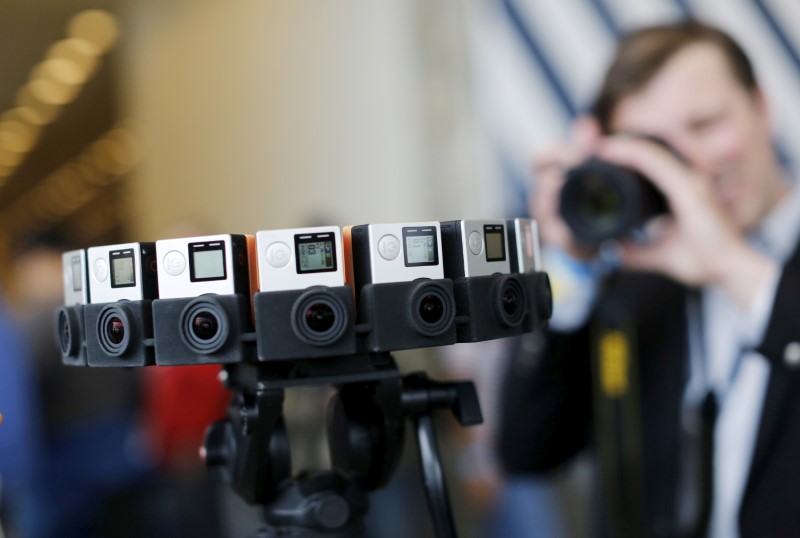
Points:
[(205, 326), (115, 330), (320, 317)]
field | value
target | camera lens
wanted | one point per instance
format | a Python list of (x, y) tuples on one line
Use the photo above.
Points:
[(205, 325), (510, 301), (320, 317), (431, 308), (601, 201), (65, 334), (115, 330)]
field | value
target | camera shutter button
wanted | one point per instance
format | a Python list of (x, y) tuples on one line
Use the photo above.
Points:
[(101, 269), (278, 254), (475, 243), (174, 263), (389, 247)]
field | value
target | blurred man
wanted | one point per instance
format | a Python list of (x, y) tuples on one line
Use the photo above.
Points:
[(696, 421)]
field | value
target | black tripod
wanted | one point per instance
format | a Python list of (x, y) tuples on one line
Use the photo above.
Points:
[(249, 449)]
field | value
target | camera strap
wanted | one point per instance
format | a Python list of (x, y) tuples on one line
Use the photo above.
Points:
[(617, 418)]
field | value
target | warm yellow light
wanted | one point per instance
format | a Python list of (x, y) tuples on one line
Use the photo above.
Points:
[(62, 70), (50, 92), (17, 137), (44, 112), (96, 26), (76, 50), (23, 113), (9, 159)]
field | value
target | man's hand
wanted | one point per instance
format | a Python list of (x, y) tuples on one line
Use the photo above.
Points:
[(697, 243), (550, 166)]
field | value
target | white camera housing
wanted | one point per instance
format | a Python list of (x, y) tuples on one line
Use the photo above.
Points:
[(475, 248), (399, 252), (122, 272), (299, 258), (194, 266), (76, 282), (524, 243)]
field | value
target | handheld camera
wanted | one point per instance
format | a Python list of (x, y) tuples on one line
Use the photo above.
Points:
[(494, 300), (123, 283), (204, 298), (71, 333), (397, 275), (303, 308)]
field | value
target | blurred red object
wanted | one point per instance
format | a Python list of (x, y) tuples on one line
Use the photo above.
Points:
[(180, 402)]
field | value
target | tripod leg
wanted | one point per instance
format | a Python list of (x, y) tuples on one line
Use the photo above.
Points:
[(433, 477)]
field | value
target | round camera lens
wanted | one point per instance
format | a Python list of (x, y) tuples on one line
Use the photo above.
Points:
[(205, 325), (320, 317), (115, 330), (510, 301), (66, 333), (431, 308)]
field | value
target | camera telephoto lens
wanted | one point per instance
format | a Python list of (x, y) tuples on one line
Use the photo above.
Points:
[(431, 309), (320, 317), (115, 330), (205, 325)]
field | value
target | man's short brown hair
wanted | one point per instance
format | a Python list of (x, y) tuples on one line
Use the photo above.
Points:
[(642, 54)]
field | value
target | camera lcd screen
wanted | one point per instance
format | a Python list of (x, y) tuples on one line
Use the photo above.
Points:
[(77, 274), (495, 244), (122, 273), (315, 253), (207, 261), (420, 247)]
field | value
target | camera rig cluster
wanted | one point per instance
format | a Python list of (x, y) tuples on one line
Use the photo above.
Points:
[(311, 306)]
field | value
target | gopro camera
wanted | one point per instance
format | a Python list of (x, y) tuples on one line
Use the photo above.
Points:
[(476, 255), (71, 333), (119, 326), (199, 265), (303, 308), (299, 258), (397, 274), (204, 298), (76, 278), (523, 245), (123, 272)]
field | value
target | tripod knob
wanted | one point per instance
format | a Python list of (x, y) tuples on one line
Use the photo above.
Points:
[(330, 511)]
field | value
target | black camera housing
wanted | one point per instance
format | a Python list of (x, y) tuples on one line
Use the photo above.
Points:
[(601, 201), (406, 315), (71, 335), (209, 329), (119, 333), (315, 322), (540, 300), (490, 307)]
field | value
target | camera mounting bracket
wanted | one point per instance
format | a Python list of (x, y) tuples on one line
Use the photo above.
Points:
[(249, 448)]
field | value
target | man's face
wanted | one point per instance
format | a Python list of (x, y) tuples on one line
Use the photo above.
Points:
[(695, 105)]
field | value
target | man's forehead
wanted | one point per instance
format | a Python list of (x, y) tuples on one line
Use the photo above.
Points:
[(695, 78)]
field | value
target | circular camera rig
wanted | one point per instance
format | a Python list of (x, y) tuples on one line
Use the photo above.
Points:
[(317, 336)]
